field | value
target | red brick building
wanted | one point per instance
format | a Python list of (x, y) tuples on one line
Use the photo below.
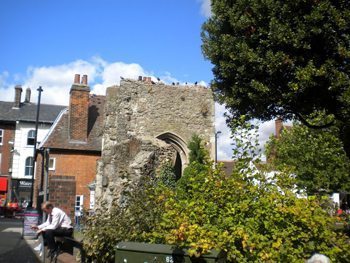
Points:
[(7, 134), (66, 165)]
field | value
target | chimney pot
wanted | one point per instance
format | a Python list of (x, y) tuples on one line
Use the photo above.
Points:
[(140, 78), (144, 78), (18, 95), (84, 80), (28, 93), (77, 78)]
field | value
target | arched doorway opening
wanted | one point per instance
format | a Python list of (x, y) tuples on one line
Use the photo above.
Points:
[(180, 146)]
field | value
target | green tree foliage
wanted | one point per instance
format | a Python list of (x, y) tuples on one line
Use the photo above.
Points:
[(282, 59), (245, 140), (107, 227), (167, 175), (250, 217), (316, 157), (197, 152), (252, 222)]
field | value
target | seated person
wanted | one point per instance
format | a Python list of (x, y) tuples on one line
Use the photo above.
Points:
[(58, 224)]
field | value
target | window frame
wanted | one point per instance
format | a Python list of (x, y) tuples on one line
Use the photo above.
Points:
[(78, 208), (2, 132), (29, 166), (53, 168), (30, 138)]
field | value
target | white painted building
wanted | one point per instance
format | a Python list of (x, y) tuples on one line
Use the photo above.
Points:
[(22, 116), (24, 146)]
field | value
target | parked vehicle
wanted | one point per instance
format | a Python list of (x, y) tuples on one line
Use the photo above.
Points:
[(11, 209)]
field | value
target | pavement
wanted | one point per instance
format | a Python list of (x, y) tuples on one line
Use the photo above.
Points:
[(15, 249)]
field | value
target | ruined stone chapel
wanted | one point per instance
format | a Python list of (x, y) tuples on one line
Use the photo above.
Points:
[(146, 124)]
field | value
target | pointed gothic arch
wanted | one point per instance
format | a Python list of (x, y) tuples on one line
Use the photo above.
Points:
[(182, 150)]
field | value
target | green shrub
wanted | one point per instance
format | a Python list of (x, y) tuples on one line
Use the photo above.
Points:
[(167, 176), (107, 227), (252, 218)]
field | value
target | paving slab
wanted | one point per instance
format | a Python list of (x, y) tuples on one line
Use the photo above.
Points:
[(13, 248)]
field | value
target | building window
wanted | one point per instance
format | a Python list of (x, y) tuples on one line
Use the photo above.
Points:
[(29, 166), (31, 137), (79, 201), (1, 136), (52, 164)]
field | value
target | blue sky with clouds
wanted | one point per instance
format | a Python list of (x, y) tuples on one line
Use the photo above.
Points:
[(163, 36), (45, 42)]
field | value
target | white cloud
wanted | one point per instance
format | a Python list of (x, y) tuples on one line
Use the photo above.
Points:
[(56, 81), (112, 72), (3, 77), (224, 140), (168, 78), (265, 131), (7, 92), (205, 7)]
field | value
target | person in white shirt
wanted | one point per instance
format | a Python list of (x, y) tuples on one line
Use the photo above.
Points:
[(58, 224)]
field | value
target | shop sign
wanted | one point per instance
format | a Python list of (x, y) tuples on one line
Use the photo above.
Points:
[(24, 184)]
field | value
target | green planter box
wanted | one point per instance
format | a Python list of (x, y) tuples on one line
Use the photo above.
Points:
[(134, 252)]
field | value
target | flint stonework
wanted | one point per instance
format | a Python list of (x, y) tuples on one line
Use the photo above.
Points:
[(147, 125)]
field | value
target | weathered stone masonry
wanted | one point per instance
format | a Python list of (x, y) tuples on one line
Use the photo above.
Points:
[(147, 124)]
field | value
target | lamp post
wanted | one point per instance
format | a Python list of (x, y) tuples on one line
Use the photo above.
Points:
[(31, 215), (34, 149), (216, 145)]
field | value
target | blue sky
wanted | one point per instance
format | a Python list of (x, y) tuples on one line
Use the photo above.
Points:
[(163, 36), (45, 42)]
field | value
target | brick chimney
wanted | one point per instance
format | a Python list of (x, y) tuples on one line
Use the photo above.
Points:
[(28, 92), (79, 109), (18, 95), (278, 127)]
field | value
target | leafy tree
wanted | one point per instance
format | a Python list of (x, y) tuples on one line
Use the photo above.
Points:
[(282, 59), (198, 158), (249, 216), (252, 222), (197, 152), (316, 157)]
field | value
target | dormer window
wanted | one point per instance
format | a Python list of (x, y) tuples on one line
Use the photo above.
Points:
[(31, 137)]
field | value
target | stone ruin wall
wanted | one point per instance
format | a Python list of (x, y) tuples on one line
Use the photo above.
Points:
[(147, 124)]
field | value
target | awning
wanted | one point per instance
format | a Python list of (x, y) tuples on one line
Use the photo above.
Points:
[(3, 184)]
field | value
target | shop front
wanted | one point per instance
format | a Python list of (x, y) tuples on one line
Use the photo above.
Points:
[(21, 191), (3, 193)]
